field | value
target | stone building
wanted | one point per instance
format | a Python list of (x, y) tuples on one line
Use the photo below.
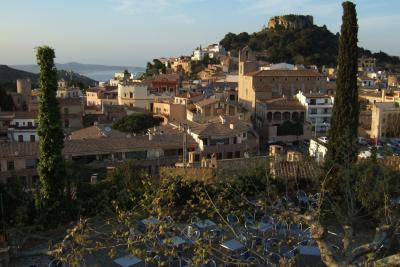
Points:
[(385, 121), (255, 84)]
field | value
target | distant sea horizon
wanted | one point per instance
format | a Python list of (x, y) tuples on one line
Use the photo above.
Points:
[(104, 75), (100, 73)]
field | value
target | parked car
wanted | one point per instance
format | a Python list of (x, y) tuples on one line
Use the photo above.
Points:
[(395, 142), (362, 141)]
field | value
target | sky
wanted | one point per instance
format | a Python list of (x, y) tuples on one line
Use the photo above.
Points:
[(132, 32)]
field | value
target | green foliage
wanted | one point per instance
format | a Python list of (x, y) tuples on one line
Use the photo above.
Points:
[(155, 68), (136, 123), (18, 204), (343, 133), (51, 167), (311, 45), (290, 128), (121, 190), (6, 101)]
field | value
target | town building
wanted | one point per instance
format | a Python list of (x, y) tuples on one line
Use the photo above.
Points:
[(19, 159), (170, 111), (20, 126), (21, 98), (209, 108), (318, 110), (101, 147), (164, 84), (99, 96), (255, 84), (366, 64), (318, 149), (224, 137), (273, 113), (137, 94), (385, 121), (65, 91)]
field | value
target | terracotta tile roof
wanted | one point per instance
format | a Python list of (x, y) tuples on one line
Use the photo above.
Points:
[(75, 101), (295, 170), (285, 73), (96, 132), (207, 101), (113, 145), (26, 114), (284, 104), (19, 149), (217, 129), (189, 95)]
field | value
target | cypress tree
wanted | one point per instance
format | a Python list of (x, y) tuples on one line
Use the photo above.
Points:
[(342, 146), (51, 167)]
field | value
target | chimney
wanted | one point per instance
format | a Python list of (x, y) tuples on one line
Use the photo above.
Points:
[(150, 136), (232, 126)]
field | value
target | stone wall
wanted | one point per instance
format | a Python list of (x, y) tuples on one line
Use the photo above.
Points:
[(224, 167)]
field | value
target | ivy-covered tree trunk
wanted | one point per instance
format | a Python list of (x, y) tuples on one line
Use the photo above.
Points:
[(342, 146), (51, 167)]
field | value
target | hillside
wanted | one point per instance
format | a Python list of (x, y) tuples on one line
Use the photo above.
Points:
[(310, 44), (9, 75)]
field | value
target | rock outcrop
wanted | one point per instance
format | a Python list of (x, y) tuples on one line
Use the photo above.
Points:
[(291, 22)]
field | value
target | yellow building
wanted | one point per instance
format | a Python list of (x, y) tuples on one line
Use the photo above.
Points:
[(262, 84), (385, 121)]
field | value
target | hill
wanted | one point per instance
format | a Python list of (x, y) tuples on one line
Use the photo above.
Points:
[(93, 71), (308, 44), (9, 75)]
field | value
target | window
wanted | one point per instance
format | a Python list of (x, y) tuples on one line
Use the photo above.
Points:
[(66, 111), (29, 123), (33, 138), (66, 123), (130, 95), (20, 138), (17, 123), (10, 165), (237, 154), (234, 140), (244, 135), (30, 163)]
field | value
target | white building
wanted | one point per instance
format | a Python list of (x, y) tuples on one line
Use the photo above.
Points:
[(318, 149), (198, 54), (22, 127), (318, 110)]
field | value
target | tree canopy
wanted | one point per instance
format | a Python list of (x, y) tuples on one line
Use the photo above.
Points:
[(51, 167), (136, 123), (310, 45)]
